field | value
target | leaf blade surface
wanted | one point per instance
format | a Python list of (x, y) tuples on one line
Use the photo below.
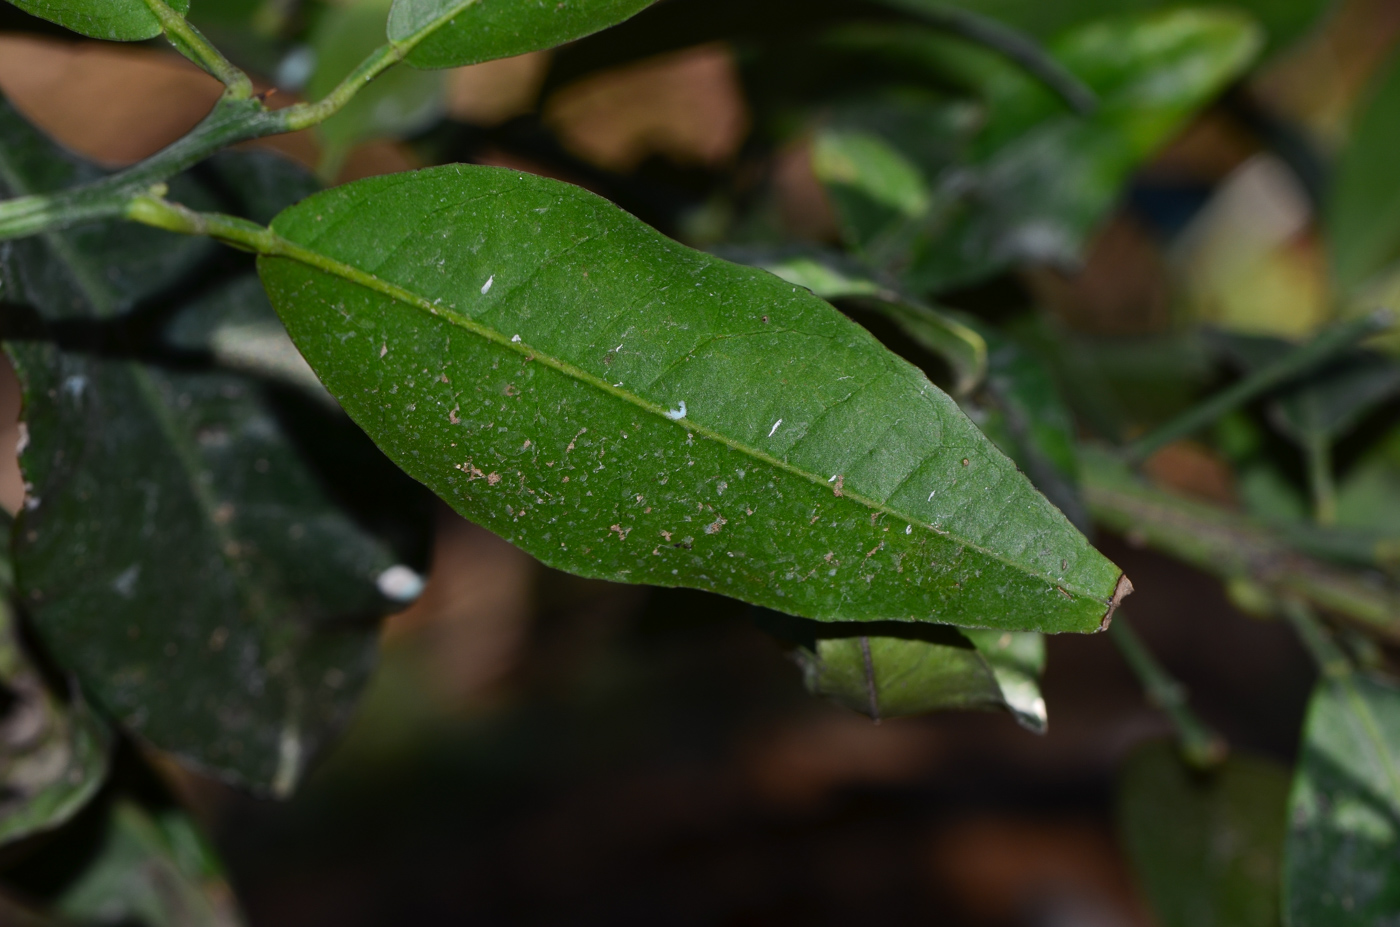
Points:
[(462, 32), (114, 20)]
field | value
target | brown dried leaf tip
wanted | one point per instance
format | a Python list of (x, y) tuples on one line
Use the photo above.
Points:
[(1120, 592)]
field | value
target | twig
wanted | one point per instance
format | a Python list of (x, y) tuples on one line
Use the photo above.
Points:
[(189, 42), (1296, 362), (1200, 746), (1231, 546)]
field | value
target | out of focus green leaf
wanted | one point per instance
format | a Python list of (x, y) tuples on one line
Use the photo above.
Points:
[(1362, 217), (1206, 846), (182, 551), (1283, 20), (461, 32), (877, 191), (1342, 861), (1368, 497), (1041, 178), (126, 864), (114, 20), (399, 102), (53, 754)]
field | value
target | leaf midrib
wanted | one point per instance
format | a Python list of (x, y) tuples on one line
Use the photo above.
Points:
[(279, 246)]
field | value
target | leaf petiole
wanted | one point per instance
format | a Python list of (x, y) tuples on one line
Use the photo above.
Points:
[(189, 42)]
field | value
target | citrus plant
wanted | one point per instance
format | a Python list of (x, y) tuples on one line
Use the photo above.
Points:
[(240, 386)]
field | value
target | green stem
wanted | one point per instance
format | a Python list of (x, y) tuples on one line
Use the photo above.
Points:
[(1298, 361), (1321, 479), (194, 46), (305, 115), (1011, 44), (1232, 547), (234, 119), (1331, 661), (1200, 746)]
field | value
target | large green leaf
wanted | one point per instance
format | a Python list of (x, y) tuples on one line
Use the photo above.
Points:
[(1207, 846), (53, 755), (1342, 861), (624, 407), (1362, 216), (183, 549), (460, 32), (397, 103), (1042, 178), (115, 20)]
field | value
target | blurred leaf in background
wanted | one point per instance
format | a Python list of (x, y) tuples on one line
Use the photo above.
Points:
[(1206, 845)]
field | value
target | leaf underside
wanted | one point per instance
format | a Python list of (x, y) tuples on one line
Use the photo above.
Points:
[(472, 31), (627, 408), (114, 20)]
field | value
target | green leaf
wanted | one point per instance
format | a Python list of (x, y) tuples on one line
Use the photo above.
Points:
[(114, 20), (623, 407), (1283, 20), (892, 669), (1206, 846), (399, 102), (875, 189), (461, 32), (184, 550), (1042, 178), (1369, 495), (1362, 214), (53, 755), (1342, 860), (127, 864)]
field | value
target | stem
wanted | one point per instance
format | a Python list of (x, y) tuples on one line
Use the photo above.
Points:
[(1298, 361), (1009, 43), (231, 230), (194, 46), (1321, 479), (1331, 661), (233, 119), (305, 115), (1200, 746), (1231, 546)]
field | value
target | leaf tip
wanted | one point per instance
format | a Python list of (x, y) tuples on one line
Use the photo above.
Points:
[(1120, 592)]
